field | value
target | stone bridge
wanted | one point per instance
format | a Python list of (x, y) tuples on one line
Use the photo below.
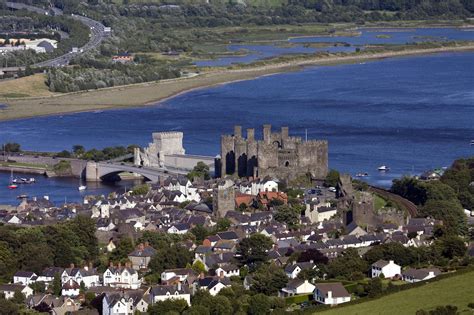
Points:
[(98, 171)]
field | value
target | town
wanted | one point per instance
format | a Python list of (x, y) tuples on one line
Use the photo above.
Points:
[(275, 232)]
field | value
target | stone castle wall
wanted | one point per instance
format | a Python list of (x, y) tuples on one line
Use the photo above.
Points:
[(277, 155)]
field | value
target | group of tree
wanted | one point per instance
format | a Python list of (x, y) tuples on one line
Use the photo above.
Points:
[(443, 199), (108, 153), (35, 248), (11, 147), (201, 170)]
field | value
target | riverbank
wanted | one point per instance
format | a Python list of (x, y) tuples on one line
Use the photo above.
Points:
[(153, 92)]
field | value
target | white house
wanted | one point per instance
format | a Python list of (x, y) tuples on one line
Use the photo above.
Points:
[(8, 290), (227, 270), (124, 303), (331, 293), (48, 274), (297, 286), (178, 228), (121, 277), (181, 273), (70, 288), (213, 284), (389, 269), (165, 292), (88, 275), (295, 268), (417, 275), (25, 277)]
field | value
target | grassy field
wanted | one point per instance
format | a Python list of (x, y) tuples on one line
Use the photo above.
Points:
[(24, 87), (456, 290)]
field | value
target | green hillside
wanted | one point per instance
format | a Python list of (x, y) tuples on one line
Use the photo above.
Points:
[(456, 290)]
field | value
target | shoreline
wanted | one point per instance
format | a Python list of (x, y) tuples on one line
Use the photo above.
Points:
[(155, 93)]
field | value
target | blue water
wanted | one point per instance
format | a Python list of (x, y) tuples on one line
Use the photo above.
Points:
[(367, 37), (411, 113)]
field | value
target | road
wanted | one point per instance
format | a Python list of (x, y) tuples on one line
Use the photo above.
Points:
[(97, 34)]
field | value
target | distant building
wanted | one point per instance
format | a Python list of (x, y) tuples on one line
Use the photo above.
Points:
[(123, 58), (388, 268), (331, 293), (417, 275), (141, 256)]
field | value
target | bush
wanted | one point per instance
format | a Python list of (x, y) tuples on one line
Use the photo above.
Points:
[(298, 299)]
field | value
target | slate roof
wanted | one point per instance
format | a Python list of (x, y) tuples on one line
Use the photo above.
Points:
[(336, 288), (147, 251), (161, 290), (420, 273)]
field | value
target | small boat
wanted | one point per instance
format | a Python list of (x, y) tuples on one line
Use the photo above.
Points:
[(12, 184), (383, 168), (362, 174), (82, 187), (22, 197)]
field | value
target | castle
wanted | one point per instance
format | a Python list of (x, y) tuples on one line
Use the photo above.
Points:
[(278, 155)]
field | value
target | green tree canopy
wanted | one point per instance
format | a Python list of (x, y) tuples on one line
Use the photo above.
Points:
[(253, 249)]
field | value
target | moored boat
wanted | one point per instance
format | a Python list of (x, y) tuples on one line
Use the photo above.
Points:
[(383, 168)]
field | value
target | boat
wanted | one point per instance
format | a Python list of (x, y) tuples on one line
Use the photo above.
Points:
[(362, 174), (22, 197), (383, 168), (12, 184), (81, 187)]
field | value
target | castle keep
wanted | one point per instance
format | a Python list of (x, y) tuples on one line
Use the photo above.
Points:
[(278, 155)]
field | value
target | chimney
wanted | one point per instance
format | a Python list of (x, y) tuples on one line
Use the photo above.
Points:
[(111, 264), (329, 294), (221, 274), (251, 134), (391, 262), (179, 286), (311, 261), (267, 133), (238, 131), (120, 264), (147, 244), (141, 247), (201, 275), (71, 265), (90, 265)]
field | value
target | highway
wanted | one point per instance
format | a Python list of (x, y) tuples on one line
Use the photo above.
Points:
[(97, 34)]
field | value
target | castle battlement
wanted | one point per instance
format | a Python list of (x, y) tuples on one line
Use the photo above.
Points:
[(168, 134), (277, 155)]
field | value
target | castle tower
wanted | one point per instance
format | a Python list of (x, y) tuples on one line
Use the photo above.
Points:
[(224, 197)]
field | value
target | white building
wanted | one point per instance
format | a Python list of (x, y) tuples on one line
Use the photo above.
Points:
[(121, 277), (417, 275), (297, 286), (71, 288), (389, 269), (88, 275), (25, 277), (318, 212), (228, 270), (166, 292), (331, 293), (124, 303), (8, 290)]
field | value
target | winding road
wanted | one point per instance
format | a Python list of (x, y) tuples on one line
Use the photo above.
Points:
[(97, 34)]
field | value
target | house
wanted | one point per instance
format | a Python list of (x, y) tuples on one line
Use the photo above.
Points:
[(111, 246), (213, 284), (166, 292), (141, 256), (70, 288), (121, 277), (295, 268), (8, 290), (297, 286), (318, 212), (389, 269), (265, 197), (178, 274), (227, 271), (417, 275), (25, 277), (124, 302), (88, 275), (122, 58), (48, 274), (179, 228), (331, 293)]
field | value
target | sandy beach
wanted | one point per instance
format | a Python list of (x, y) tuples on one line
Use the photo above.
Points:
[(144, 94)]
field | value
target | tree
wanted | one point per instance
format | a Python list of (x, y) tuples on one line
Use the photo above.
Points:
[(169, 305), (197, 310), (346, 264), (288, 215), (222, 224), (375, 287), (11, 147), (57, 286), (140, 190), (198, 267), (253, 249), (450, 247), (450, 212), (259, 304), (8, 262), (63, 154), (18, 297), (200, 232), (7, 307), (332, 178), (124, 247), (201, 170), (78, 150), (173, 256), (268, 279), (220, 306), (38, 287)]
